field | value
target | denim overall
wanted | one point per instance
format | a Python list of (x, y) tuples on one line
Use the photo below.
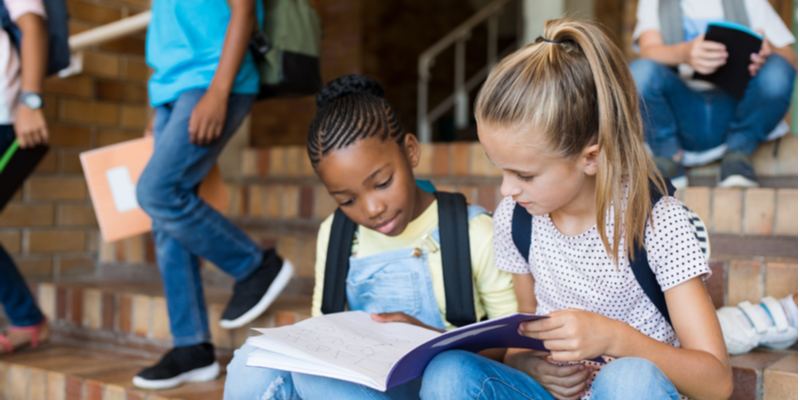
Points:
[(392, 281)]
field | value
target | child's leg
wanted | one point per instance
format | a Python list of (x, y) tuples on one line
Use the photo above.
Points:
[(316, 387), (255, 383), (632, 378), (458, 374), (167, 188), (15, 296)]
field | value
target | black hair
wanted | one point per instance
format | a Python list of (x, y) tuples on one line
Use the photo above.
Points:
[(350, 108)]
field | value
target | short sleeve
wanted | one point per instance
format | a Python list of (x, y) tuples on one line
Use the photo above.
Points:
[(18, 8), (672, 248), (646, 20), (494, 287), (764, 18), (507, 257), (323, 237)]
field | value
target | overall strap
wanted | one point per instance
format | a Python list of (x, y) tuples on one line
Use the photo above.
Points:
[(670, 18), (735, 11), (456, 260), (641, 267), (521, 229), (337, 263)]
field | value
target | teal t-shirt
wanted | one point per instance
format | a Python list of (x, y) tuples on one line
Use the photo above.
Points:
[(184, 45)]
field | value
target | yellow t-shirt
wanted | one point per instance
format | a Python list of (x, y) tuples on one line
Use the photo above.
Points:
[(492, 288)]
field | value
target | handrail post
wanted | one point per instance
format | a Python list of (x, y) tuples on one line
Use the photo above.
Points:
[(423, 125), (491, 48), (461, 96)]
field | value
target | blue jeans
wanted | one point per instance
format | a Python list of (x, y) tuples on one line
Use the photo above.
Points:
[(677, 117), (184, 226), (253, 383), (15, 296), (458, 374)]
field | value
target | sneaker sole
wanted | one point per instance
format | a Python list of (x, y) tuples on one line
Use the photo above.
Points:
[(280, 282), (204, 374), (737, 181)]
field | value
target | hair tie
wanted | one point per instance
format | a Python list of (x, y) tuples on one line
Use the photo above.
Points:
[(554, 41)]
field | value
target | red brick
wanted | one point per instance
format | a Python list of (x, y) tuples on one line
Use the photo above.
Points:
[(56, 188), (11, 241), (262, 160), (149, 250), (33, 268), (441, 159), (125, 312), (134, 117), (90, 112), (61, 303), (487, 197), (93, 390), (49, 163), (75, 86), (69, 162), (90, 12), (460, 158), (128, 45), (306, 201), (26, 215), (106, 137), (135, 70), (76, 306), (75, 266), (715, 285), (99, 64), (121, 92), (73, 388), (135, 396), (56, 241), (109, 308), (76, 215), (69, 136)]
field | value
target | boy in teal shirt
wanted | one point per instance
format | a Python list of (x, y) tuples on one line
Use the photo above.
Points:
[(204, 84)]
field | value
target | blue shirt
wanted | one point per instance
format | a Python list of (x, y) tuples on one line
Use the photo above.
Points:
[(184, 45)]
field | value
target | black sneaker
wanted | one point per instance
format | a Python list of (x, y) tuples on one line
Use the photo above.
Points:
[(253, 295), (737, 171), (672, 170), (194, 363)]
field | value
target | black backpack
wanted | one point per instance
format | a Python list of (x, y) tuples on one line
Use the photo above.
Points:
[(58, 53), (522, 222), (456, 260)]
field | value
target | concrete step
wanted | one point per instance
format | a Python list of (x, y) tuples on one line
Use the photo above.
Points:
[(67, 372), (775, 163), (132, 317)]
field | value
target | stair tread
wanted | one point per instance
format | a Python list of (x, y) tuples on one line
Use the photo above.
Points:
[(111, 369)]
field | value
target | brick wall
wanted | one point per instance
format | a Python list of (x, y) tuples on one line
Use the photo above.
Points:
[(50, 227)]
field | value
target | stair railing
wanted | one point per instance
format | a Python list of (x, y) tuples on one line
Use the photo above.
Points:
[(101, 34), (459, 100)]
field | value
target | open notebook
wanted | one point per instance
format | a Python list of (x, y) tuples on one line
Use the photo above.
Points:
[(351, 346)]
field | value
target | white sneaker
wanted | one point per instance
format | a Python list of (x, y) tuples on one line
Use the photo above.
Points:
[(748, 326)]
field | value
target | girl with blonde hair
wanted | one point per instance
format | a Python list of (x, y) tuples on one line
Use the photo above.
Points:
[(560, 118)]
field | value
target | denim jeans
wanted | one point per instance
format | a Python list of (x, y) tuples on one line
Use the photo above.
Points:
[(253, 383), (458, 374), (16, 297), (677, 117), (184, 226)]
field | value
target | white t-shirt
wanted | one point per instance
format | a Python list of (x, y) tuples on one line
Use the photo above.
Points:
[(576, 271), (10, 77), (697, 14)]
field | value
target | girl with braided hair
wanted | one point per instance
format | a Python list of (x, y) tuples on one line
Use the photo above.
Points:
[(365, 159)]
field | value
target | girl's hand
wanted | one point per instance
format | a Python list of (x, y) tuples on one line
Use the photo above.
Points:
[(30, 127), (706, 57), (208, 117), (574, 335), (758, 60), (564, 382), (401, 317), (148, 129)]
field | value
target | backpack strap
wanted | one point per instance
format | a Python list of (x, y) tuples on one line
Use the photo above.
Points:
[(456, 260), (641, 266), (670, 18), (521, 230), (337, 263), (735, 11)]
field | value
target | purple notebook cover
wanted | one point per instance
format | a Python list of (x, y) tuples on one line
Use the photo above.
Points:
[(496, 333)]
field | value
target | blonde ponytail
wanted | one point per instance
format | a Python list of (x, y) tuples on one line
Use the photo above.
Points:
[(575, 85)]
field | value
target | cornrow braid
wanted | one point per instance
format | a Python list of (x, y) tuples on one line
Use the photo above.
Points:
[(349, 109)]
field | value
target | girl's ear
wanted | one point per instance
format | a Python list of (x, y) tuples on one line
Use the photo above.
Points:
[(412, 149), (589, 157)]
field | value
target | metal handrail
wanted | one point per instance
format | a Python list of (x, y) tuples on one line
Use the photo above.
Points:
[(102, 34), (460, 98)]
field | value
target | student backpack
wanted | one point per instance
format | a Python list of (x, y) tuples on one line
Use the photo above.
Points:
[(522, 224), (287, 48), (456, 260), (58, 53)]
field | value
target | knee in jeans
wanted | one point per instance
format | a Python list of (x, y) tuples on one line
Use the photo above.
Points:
[(776, 79), (154, 193), (645, 73), (629, 374), (444, 374)]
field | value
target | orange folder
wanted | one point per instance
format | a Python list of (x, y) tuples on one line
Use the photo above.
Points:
[(111, 174)]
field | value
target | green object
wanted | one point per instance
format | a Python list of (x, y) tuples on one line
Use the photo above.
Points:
[(8, 154), (292, 37)]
